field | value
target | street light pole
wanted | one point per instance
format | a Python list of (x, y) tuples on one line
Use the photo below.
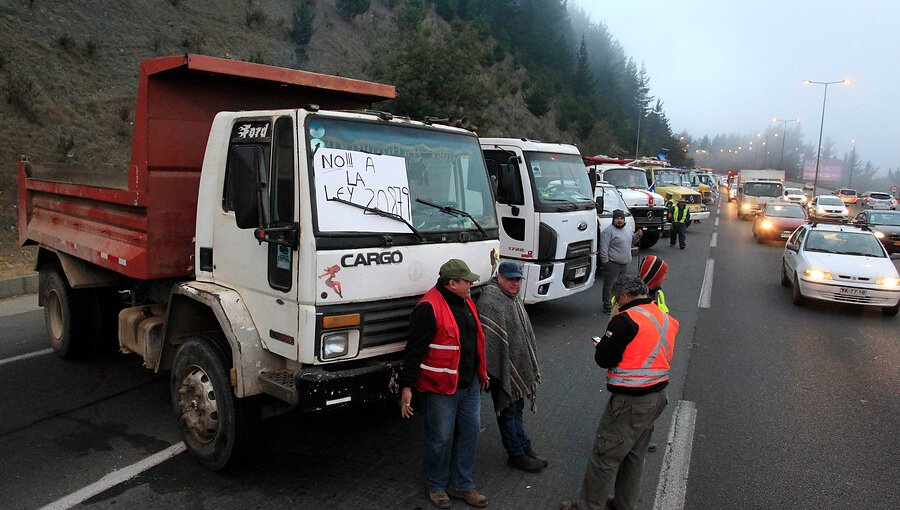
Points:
[(637, 143), (783, 139), (821, 126)]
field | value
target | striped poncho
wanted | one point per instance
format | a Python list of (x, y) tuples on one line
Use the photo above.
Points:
[(509, 345)]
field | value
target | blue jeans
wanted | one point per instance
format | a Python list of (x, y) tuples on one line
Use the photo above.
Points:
[(452, 424), (511, 424)]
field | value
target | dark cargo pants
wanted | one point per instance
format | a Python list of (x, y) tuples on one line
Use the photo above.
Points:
[(616, 462)]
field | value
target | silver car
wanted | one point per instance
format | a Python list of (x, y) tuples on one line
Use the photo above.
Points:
[(876, 200)]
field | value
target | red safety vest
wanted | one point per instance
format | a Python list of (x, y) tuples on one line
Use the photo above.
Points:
[(645, 361), (438, 368)]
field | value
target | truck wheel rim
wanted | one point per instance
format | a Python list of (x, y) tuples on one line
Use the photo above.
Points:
[(197, 405), (54, 314)]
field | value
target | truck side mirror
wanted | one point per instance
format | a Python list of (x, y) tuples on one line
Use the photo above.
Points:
[(592, 176), (599, 202)]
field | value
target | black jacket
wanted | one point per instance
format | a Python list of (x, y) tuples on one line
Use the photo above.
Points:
[(422, 327)]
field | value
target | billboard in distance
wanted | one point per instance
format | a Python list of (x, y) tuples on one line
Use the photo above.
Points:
[(829, 169)]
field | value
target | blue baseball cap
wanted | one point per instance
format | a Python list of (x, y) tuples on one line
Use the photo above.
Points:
[(510, 270)]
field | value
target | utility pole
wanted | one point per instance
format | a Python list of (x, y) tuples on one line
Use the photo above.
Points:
[(852, 163), (783, 139)]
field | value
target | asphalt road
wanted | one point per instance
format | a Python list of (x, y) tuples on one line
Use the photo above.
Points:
[(797, 407), (775, 425)]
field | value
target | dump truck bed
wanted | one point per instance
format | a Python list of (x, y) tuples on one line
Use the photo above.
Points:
[(139, 221)]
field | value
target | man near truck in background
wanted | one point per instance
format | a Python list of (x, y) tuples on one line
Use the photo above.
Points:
[(615, 253), (680, 218)]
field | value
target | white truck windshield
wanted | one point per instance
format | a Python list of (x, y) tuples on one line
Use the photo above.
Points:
[(402, 170), (763, 189), (559, 179), (626, 178)]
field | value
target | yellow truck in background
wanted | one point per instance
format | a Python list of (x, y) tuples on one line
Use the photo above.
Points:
[(665, 179)]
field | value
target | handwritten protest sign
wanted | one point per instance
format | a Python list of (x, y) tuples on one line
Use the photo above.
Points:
[(369, 180)]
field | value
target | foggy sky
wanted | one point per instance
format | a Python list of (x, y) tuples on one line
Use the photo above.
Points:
[(730, 67)]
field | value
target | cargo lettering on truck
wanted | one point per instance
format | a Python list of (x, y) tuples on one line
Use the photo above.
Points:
[(370, 258)]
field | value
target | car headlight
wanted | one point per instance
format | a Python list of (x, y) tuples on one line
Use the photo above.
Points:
[(745, 206), (815, 274), (845, 211), (335, 345), (878, 234), (820, 210), (888, 281), (766, 224)]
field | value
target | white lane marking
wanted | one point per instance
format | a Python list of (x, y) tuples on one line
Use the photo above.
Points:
[(706, 290), (712, 242), (115, 478), (25, 356), (672, 486), (717, 221)]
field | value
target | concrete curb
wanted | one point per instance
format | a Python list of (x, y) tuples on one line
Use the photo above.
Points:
[(18, 285)]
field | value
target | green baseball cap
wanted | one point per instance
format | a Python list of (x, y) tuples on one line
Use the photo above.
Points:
[(455, 269)]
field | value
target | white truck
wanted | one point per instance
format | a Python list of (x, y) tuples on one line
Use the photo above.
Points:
[(267, 254), (757, 187), (647, 208), (546, 213)]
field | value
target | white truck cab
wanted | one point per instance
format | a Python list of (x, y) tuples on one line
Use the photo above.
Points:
[(547, 215)]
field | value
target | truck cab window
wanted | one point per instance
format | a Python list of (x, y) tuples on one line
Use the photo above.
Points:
[(509, 181), (281, 200)]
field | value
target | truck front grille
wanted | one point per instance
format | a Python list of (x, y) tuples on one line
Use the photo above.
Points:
[(579, 249), (383, 322), (648, 216), (691, 199)]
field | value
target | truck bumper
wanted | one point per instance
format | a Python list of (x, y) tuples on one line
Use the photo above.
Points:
[(317, 388), (702, 215), (557, 279)]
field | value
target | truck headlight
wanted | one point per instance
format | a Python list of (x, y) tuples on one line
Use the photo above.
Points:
[(878, 234), (335, 345), (745, 206)]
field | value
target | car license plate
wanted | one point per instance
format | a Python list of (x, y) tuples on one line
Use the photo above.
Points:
[(581, 271), (896, 243), (785, 235), (853, 292)]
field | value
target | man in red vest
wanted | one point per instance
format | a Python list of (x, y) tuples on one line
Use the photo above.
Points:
[(636, 350), (444, 356)]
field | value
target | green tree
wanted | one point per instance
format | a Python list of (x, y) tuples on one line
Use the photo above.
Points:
[(352, 8), (302, 28)]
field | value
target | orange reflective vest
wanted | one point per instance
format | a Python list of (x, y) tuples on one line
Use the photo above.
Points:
[(438, 369), (645, 361)]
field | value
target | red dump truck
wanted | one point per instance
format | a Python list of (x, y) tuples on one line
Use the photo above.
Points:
[(266, 243)]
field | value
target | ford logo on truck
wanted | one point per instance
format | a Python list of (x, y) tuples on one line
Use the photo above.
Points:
[(370, 258)]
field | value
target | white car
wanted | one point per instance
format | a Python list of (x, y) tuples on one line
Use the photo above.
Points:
[(610, 198), (840, 263), (828, 207), (795, 195)]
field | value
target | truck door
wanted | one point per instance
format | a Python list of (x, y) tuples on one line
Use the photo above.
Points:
[(515, 206), (265, 274)]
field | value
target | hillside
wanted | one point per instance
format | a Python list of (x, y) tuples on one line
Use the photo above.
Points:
[(68, 71)]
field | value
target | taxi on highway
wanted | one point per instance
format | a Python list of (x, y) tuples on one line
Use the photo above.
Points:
[(840, 263)]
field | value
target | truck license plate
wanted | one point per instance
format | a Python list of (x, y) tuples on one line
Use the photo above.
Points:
[(853, 292), (581, 271)]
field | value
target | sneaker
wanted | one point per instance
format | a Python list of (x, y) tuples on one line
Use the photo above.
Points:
[(472, 497), (651, 448), (534, 456), (682, 247), (439, 499), (525, 463), (607, 309)]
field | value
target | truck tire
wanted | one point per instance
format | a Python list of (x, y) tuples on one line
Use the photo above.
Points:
[(218, 429), (66, 316), (649, 239)]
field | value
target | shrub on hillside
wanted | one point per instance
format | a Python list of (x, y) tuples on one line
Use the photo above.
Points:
[(304, 14), (352, 8), (255, 17), (22, 92)]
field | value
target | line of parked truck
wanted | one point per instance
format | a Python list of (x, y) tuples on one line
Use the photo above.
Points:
[(269, 255)]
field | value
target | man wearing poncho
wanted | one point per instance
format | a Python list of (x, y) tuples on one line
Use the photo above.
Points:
[(511, 362)]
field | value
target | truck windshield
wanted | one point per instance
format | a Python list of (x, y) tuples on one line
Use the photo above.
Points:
[(402, 170), (626, 178), (560, 181), (763, 189), (668, 178)]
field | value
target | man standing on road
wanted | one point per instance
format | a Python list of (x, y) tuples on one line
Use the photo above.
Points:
[(680, 218), (636, 350), (615, 253), (443, 357), (511, 362)]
